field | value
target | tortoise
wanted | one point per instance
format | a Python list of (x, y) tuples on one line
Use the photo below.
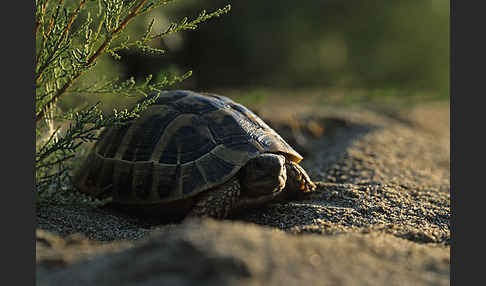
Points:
[(193, 154)]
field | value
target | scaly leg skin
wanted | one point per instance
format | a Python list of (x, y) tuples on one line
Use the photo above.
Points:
[(298, 183), (217, 202)]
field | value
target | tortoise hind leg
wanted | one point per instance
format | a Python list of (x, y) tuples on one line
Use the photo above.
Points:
[(217, 202)]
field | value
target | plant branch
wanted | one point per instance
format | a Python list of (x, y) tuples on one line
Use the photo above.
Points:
[(91, 60), (37, 22), (63, 36)]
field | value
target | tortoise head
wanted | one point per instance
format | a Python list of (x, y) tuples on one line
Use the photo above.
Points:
[(263, 175)]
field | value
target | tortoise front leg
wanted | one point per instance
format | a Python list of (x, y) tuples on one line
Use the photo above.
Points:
[(217, 202), (298, 182)]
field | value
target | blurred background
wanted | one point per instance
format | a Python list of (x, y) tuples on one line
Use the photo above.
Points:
[(326, 43), (384, 47)]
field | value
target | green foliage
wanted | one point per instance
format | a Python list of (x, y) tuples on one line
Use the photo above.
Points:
[(71, 37), (346, 44)]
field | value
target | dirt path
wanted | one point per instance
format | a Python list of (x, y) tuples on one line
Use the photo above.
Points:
[(380, 216)]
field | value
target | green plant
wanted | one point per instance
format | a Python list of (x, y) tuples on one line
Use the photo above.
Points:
[(71, 37)]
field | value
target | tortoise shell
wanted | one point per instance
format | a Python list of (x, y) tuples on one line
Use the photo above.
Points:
[(183, 144)]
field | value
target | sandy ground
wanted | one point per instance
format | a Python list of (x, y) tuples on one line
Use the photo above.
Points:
[(380, 215)]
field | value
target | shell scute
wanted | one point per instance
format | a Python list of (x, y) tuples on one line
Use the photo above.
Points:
[(112, 138), (164, 180), (145, 138), (122, 181), (188, 138), (142, 181), (227, 127), (192, 178), (199, 104)]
